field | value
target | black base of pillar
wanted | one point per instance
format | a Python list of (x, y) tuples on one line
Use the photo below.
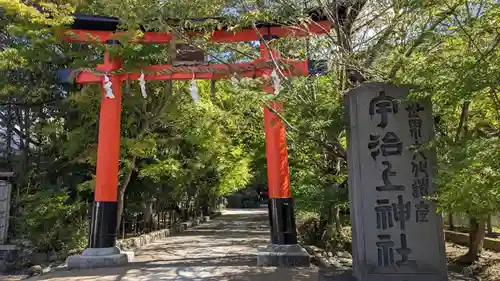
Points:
[(103, 225), (282, 221)]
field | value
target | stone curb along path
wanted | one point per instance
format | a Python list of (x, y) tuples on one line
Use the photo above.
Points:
[(461, 238), (339, 261), (145, 239), (338, 266), (333, 267), (134, 243)]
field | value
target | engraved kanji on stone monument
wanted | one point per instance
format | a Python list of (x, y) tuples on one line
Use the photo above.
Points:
[(420, 185), (388, 186), (397, 234), (383, 105), (419, 165), (422, 210), (385, 251), (414, 121), (387, 213), (389, 145), (402, 211), (405, 252), (383, 211)]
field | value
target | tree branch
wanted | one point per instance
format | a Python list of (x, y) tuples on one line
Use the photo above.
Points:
[(420, 40), (463, 120), (382, 41), (336, 148), (121, 192)]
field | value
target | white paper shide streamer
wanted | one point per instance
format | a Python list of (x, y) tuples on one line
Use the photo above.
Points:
[(107, 87), (276, 81), (194, 91), (142, 83)]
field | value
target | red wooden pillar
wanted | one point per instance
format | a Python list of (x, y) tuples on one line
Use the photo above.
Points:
[(104, 212), (280, 203)]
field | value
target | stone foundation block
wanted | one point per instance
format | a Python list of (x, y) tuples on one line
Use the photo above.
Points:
[(283, 256), (329, 274), (9, 253), (100, 257)]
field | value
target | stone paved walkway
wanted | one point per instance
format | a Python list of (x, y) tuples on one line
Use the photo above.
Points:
[(223, 249)]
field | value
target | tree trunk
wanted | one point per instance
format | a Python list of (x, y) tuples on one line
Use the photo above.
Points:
[(9, 135), (27, 134), (464, 115), (123, 229), (119, 211), (158, 220), (21, 178), (338, 224), (41, 117), (171, 217), (205, 209), (213, 90), (476, 239), (121, 194), (490, 227), (149, 222), (451, 222), (135, 224), (187, 209)]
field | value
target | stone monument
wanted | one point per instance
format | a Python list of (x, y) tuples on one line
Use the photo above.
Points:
[(8, 252), (397, 234), (5, 191)]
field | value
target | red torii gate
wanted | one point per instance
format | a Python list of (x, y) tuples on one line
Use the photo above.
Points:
[(103, 30)]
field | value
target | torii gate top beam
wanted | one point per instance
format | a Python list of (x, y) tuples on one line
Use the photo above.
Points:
[(102, 29), (99, 29)]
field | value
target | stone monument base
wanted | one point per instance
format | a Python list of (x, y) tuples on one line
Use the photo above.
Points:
[(99, 257), (283, 256), (328, 274)]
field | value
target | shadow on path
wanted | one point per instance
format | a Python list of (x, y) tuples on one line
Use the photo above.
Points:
[(221, 250)]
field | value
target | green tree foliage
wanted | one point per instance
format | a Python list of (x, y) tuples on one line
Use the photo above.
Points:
[(174, 153), (177, 152), (458, 66)]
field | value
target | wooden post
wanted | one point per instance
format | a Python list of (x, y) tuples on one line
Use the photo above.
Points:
[(104, 212), (281, 204)]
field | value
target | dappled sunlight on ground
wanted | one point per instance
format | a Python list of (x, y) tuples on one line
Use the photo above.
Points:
[(487, 268), (223, 249)]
